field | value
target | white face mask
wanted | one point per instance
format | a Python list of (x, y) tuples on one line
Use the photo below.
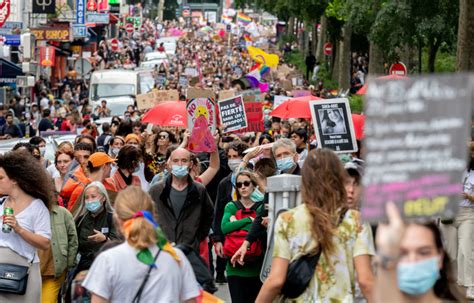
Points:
[(42, 151), (234, 164)]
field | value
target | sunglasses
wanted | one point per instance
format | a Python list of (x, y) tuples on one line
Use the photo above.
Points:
[(163, 137), (241, 184)]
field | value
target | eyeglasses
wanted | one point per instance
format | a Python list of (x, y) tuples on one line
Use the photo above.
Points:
[(163, 137), (241, 184)]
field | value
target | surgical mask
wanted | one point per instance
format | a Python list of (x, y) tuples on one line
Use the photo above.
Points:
[(419, 277), (233, 164), (114, 151), (256, 196), (137, 169), (93, 206), (180, 171), (42, 151), (285, 164)]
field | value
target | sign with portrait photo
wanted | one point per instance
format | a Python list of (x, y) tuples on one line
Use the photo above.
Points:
[(232, 114), (333, 125)]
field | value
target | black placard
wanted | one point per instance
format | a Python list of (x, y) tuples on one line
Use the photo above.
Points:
[(416, 145), (232, 114), (333, 125)]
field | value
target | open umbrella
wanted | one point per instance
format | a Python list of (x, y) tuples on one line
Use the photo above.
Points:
[(294, 108), (167, 113), (359, 121), (363, 89)]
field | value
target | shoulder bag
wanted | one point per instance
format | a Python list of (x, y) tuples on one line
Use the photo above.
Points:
[(138, 296), (14, 278), (301, 271)]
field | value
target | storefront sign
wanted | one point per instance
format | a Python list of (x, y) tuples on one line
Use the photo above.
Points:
[(47, 55), (79, 31), (12, 40), (80, 11), (44, 7), (57, 33), (98, 18), (11, 28), (4, 11)]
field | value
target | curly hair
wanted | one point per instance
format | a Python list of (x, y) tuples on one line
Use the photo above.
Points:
[(324, 194), (129, 157), (30, 175)]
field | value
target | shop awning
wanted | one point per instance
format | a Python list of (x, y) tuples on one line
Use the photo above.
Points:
[(9, 70)]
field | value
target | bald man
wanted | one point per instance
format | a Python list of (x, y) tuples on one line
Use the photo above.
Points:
[(184, 209)]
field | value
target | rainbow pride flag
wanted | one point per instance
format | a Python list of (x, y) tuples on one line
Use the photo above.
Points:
[(247, 38), (227, 19), (243, 19)]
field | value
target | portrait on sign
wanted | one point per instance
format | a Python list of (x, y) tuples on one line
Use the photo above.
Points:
[(332, 121)]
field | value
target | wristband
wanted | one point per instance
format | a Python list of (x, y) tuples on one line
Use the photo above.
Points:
[(387, 262)]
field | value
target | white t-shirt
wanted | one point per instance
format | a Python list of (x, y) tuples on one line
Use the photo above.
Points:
[(468, 187), (34, 218), (116, 275)]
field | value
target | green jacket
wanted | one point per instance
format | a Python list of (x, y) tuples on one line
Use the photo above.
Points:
[(64, 241)]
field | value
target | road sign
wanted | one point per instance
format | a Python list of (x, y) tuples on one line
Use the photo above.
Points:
[(328, 49), (114, 44), (91, 5), (398, 69), (129, 28), (2, 39)]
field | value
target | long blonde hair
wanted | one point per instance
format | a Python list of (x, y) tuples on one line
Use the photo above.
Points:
[(131, 200)]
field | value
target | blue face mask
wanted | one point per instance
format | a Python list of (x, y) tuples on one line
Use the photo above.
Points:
[(93, 206), (417, 278), (256, 196), (179, 171), (285, 164)]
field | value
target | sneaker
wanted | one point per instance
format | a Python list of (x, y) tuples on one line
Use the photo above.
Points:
[(221, 279), (470, 293)]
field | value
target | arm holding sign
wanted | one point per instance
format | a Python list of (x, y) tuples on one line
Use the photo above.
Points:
[(214, 164)]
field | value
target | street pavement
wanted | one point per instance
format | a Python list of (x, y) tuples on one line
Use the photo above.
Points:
[(223, 293)]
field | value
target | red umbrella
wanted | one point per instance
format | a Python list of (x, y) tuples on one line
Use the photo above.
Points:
[(167, 113), (294, 108), (363, 89), (359, 121)]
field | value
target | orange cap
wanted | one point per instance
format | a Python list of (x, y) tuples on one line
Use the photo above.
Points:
[(99, 159)]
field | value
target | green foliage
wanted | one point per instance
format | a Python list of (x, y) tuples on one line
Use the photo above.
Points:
[(445, 62), (356, 103)]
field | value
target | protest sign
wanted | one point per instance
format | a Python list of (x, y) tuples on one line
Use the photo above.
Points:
[(145, 101), (191, 72), (200, 102), (183, 81), (279, 100), (333, 125), (226, 94), (416, 133), (165, 95), (286, 85), (254, 112), (232, 114), (300, 93), (193, 93)]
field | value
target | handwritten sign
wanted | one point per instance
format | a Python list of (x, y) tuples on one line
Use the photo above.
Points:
[(145, 101), (333, 125), (254, 113), (226, 94), (279, 100), (416, 132), (232, 114), (201, 107), (149, 100)]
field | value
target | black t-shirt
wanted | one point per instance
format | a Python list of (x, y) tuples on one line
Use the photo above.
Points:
[(13, 130), (45, 124)]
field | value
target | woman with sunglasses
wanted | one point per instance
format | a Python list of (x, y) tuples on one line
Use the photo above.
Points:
[(154, 160), (243, 279)]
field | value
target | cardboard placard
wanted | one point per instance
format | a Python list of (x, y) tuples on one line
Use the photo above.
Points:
[(226, 94), (183, 81), (287, 85), (145, 101), (333, 125), (193, 93), (416, 133), (197, 107), (279, 100), (232, 114), (166, 95), (254, 112)]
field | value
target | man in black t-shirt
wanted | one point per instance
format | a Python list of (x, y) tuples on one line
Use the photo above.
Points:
[(10, 129), (46, 123)]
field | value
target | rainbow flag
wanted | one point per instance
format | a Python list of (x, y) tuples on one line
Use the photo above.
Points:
[(243, 19), (227, 19), (247, 38)]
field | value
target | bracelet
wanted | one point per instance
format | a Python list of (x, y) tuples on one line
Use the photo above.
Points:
[(387, 262)]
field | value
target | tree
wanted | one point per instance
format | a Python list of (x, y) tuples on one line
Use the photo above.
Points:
[(465, 44)]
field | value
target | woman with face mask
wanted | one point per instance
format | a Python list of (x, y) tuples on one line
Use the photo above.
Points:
[(243, 279), (412, 257), (128, 163), (94, 225), (41, 144), (115, 145)]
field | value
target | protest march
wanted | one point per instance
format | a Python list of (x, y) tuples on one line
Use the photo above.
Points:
[(195, 160)]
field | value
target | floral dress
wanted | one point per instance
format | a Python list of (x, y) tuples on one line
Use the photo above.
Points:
[(334, 279)]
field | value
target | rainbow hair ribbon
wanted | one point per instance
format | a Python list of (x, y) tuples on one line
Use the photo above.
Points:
[(145, 255)]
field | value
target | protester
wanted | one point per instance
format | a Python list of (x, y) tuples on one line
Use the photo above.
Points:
[(412, 257), (28, 192), (41, 144), (333, 231), (62, 160), (116, 143), (184, 207), (243, 280), (10, 129), (128, 162), (171, 277), (154, 161), (94, 223), (60, 257), (46, 123)]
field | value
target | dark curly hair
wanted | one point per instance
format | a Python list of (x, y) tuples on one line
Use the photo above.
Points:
[(30, 175), (128, 157)]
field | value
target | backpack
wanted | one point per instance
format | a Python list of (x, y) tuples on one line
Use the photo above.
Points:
[(234, 240)]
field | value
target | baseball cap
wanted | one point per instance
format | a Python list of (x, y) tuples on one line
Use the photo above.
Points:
[(99, 159), (356, 165)]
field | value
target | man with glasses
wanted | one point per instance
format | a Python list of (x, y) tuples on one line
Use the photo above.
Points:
[(184, 207)]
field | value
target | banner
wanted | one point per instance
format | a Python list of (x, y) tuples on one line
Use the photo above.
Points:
[(4, 11), (44, 6), (232, 114), (47, 55), (332, 121), (254, 113), (416, 133)]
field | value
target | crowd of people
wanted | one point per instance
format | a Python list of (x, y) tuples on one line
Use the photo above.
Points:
[(117, 214)]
